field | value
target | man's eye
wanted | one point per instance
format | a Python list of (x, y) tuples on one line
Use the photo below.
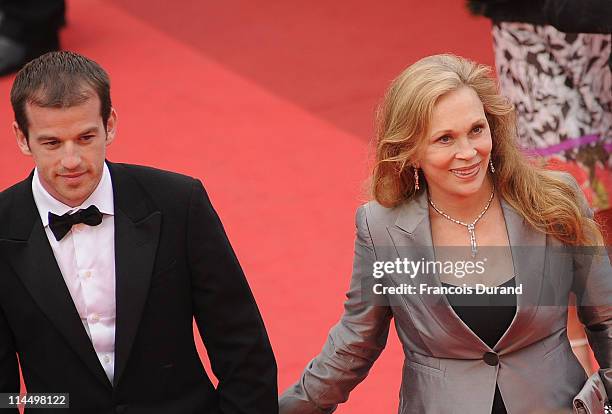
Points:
[(51, 143), (87, 137)]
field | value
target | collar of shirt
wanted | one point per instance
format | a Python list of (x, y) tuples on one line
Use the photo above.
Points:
[(102, 197)]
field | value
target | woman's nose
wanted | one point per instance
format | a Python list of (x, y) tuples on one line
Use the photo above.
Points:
[(466, 150)]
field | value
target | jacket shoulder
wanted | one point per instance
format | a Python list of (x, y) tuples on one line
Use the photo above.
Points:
[(9, 195), (6, 197), (373, 219), (164, 190), (158, 183), (580, 198), (377, 215), (154, 176), (16, 205)]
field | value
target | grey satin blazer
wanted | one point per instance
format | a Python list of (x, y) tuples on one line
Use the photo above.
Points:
[(445, 368)]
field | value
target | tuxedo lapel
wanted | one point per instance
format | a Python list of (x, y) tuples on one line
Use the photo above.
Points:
[(137, 227), (33, 260)]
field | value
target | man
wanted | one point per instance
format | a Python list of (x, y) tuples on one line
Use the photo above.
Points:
[(28, 29), (103, 267)]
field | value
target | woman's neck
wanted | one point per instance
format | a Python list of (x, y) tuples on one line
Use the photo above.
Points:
[(463, 208)]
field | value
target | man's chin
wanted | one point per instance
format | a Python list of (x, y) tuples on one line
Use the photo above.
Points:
[(73, 196)]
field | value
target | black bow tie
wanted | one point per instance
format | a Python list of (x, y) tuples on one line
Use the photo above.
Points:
[(61, 225)]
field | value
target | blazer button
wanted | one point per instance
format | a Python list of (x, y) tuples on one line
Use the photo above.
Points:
[(491, 358), (121, 409)]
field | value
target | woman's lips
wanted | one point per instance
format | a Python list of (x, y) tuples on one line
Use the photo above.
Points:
[(467, 172)]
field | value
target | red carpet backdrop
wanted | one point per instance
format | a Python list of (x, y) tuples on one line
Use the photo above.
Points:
[(271, 104)]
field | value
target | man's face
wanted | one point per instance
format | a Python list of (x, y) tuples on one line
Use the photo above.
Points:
[(69, 147)]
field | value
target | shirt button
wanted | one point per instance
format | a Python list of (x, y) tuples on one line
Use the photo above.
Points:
[(94, 317), (106, 359), (87, 274), (490, 358)]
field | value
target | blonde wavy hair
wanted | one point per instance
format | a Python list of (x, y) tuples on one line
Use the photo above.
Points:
[(550, 203)]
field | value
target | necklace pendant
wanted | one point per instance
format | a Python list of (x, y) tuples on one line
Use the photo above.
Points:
[(471, 227), (473, 245)]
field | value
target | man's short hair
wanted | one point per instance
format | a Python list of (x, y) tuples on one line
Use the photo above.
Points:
[(59, 80)]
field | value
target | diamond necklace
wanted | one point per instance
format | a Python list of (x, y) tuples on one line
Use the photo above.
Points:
[(470, 227)]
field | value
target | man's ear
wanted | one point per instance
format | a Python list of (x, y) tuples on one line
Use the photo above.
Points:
[(22, 141), (111, 126)]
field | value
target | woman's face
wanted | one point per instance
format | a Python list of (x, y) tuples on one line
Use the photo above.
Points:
[(457, 147)]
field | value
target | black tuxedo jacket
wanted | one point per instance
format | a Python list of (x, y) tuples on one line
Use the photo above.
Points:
[(173, 263)]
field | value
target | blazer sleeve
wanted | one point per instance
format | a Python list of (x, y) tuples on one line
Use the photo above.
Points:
[(227, 316), (352, 345), (593, 288), (9, 368)]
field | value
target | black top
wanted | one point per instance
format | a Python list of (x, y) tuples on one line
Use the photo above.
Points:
[(478, 311)]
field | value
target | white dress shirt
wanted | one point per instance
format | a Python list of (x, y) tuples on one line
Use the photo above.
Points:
[(86, 258)]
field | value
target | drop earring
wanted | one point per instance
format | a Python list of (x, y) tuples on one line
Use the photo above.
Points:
[(416, 179), (491, 165)]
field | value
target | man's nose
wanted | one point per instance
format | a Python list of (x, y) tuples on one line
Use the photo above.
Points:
[(71, 158)]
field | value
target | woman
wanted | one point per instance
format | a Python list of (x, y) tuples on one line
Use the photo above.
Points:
[(450, 186)]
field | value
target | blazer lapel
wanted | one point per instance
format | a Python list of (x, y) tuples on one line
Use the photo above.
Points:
[(137, 227), (529, 252), (412, 238), (34, 262)]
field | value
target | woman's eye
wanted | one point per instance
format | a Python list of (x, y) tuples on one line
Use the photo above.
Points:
[(444, 139), (477, 129)]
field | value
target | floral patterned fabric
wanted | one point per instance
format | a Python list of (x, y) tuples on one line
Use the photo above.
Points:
[(561, 85)]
